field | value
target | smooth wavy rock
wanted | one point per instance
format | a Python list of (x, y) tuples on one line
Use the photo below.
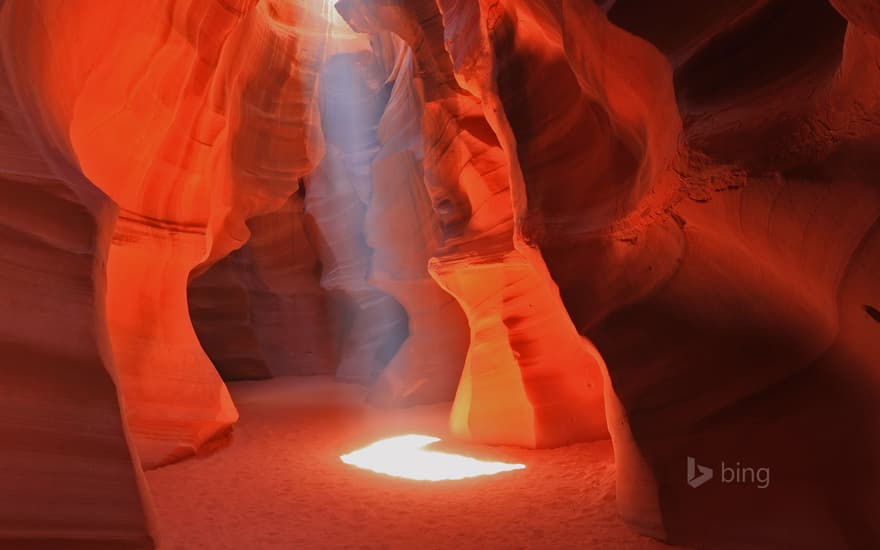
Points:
[(373, 324), (215, 102), (719, 264), (696, 181), (529, 378), (654, 220), (261, 312), (403, 231), (69, 475)]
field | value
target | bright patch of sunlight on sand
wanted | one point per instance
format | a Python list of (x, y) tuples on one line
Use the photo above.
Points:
[(405, 456)]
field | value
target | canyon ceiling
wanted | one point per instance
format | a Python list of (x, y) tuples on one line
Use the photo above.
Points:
[(654, 221)]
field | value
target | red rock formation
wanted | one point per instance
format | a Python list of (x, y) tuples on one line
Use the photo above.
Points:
[(261, 312), (528, 379), (731, 312), (692, 187), (337, 196), (222, 312), (219, 127), (711, 262), (64, 437), (403, 231)]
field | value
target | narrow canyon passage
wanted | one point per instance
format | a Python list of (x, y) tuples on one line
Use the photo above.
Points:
[(439, 273)]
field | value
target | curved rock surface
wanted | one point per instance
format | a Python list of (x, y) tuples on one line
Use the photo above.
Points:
[(722, 274), (403, 231), (577, 218), (373, 324), (215, 101), (528, 378), (261, 312), (64, 436), (139, 140), (686, 191)]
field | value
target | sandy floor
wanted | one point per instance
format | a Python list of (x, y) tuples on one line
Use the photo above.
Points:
[(281, 485)]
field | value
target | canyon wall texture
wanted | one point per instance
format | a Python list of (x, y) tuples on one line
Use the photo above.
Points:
[(374, 325), (191, 117), (700, 191), (64, 438), (657, 221), (244, 308), (734, 320), (138, 140), (528, 378)]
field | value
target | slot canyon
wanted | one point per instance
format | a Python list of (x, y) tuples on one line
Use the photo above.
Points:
[(546, 274)]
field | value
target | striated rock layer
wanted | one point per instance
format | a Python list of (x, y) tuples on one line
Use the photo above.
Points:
[(699, 191), (691, 186), (215, 103), (67, 472), (261, 312), (373, 324), (190, 117), (403, 231), (722, 273), (528, 378), (766, 314)]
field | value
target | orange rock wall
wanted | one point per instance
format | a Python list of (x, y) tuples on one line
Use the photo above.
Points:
[(140, 139), (218, 128), (403, 230), (65, 442), (573, 217), (528, 379), (261, 312), (696, 181)]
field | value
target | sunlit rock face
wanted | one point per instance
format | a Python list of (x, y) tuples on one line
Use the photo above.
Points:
[(529, 379), (192, 117), (570, 218), (727, 297), (698, 188), (140, 139)]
